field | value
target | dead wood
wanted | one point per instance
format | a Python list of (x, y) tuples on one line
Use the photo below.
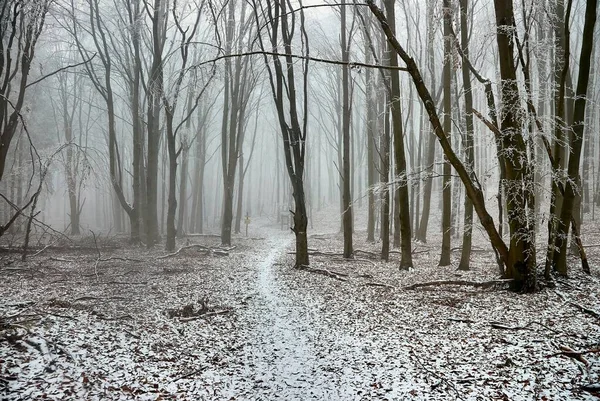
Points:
[(503, 326), (593, 388), (577, 355), (219, 251), (204, 315), (329, 273), (583, 309), (319, 253), (476, 284), (371, 254), (123, 282), (55, 259), (374, 284), (203, 235), (102, 316), (460, 320), (121, 259)]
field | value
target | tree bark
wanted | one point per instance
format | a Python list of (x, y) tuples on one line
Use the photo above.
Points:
[(403, 210), (577, 138), (469, 162)]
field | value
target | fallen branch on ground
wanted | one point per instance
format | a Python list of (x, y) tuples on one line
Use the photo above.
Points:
[(371, 254), (374, 284), (213, 250), (588, 311), (476, 284), (329, 273), (121, 259), (204, 315), (502, 326), (577, 355), (591, 388), (459, 320)]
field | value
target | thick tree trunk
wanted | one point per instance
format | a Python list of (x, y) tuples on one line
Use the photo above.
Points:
[(522, 248), (154, 93)]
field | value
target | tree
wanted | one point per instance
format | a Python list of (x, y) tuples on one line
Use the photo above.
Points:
[(346, 116), (573, 187), (446, 183), (466, 76), (399, 153), (239, 83), (518, 265), (101, 76), (292, 111), (21, 24)]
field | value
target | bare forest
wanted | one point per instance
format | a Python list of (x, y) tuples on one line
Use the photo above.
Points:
[(299, 200)]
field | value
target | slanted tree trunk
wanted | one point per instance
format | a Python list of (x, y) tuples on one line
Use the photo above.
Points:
[(516, 264)]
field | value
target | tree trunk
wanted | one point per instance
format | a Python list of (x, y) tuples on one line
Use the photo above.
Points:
[(469, 162), (446, 180), (577, 138), (346, 115), (402, 210), (172, 200)]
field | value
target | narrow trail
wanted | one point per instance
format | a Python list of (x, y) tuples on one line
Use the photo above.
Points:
[(281, 355)]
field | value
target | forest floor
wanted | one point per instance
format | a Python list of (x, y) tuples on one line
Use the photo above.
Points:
[(240, 323)]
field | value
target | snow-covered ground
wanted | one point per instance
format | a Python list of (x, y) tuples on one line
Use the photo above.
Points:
[(75, 328)]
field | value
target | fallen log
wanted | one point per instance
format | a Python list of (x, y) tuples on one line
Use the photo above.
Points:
[(476, 284)]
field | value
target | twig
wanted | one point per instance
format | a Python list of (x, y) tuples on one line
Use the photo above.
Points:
[(582, 308), (204, 315), (374, 284), (459, 320), (120, 258), (441, 378), (577, 355), (195, 372), (59, 259), (183, 248)]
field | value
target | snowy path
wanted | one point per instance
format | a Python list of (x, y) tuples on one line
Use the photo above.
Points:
[(293, 349), (280, 355)]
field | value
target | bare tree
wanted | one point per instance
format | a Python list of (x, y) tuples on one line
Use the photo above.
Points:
[(292, 110), (21, 24)]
